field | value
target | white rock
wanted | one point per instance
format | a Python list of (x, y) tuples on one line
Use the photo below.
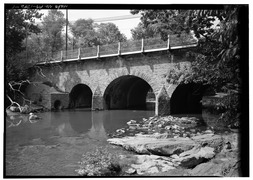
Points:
[(131, 171), (120, 131), (144, 119), (33, 116), (177, 131), (174, 156), (150, 164), (168, 127), (209, 132), (131, 122), (175, 126)]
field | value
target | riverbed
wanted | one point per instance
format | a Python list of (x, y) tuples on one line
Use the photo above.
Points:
[(53, 145)]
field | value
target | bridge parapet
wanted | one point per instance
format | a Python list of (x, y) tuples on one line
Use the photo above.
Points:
[(123, 48)]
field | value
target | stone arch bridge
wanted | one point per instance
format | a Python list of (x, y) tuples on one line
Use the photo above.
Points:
[(119, 80)]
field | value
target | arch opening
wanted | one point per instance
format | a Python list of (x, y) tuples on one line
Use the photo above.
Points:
[(80, 97), (127, 92), (57, 104), (186, 99)]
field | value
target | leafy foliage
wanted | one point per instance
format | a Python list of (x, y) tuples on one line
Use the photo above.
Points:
[(140, 32), (89, 34), (99, 163), (19, 24), (52, 26), (109, 33), (216, 60), (84, 33)]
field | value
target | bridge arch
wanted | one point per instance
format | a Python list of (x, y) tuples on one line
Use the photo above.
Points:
[(80, 96), (186, 99), (126, 92)]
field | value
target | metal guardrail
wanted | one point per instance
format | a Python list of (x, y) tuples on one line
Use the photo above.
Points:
[(121, 48)]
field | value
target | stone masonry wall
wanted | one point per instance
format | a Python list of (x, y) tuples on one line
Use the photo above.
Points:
[(62, 97), (99, 73)]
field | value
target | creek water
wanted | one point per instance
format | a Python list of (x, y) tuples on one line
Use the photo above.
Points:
[(53, 145)]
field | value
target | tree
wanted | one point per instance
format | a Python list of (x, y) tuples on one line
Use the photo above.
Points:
[(84, 33), (19, 24), (218, 54), (52, 26), (165, 21), (109, 33), (141, 31), (89, 34), (36, 47)]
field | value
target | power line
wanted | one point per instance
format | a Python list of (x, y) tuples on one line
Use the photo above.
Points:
[(116, 18)]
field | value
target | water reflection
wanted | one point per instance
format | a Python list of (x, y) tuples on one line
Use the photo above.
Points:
[(97, 130), (73, 123), (80, 120), (95, 124)]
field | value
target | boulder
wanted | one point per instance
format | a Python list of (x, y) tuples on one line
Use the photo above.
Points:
[(222, 167), (145, 144), (25, 109), (194, 156), (131, 122), (152, 164), (14, 109), (211, 140), (130, 171)]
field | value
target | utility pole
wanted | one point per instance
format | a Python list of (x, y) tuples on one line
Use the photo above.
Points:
[(66, 33), (26, 29)]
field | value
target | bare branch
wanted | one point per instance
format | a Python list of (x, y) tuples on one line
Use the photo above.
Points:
[(13, 102), (13, 83), (40, 71)]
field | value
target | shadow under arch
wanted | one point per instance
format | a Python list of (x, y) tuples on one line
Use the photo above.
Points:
[(127, 92), (80, 96), (186, 99)]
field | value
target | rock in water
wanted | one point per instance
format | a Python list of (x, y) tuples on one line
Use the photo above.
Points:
[(209, 132), (210, 140), (120, 130), (25, 109), (33, 117), (14, 109), (143, 144), (131, 122), (131, 171), (150, 163), (195, 156), (227, 168)]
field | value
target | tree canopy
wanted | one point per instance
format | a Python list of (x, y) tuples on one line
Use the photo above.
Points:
[(141, 31), (88, 34), (218, 55), (109, 33), (19, 24), (52, 26)]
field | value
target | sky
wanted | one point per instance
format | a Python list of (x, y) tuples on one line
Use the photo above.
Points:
[(124, 25)]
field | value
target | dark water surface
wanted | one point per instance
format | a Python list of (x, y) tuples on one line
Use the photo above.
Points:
[(53, 145)]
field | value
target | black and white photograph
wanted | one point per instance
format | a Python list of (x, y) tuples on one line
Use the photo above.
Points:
[(126, 90)]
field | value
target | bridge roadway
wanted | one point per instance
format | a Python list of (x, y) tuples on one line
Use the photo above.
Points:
[(117, 76)]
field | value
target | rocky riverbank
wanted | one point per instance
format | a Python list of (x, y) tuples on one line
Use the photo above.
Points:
[(173, 146)]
